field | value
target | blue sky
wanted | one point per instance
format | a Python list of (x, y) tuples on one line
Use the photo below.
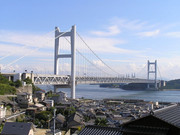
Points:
[(127, 33)]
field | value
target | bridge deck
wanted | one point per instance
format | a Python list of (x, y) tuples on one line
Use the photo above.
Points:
[(65, 80)]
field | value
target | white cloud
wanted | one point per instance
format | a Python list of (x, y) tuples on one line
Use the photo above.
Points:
[(98, 63), (29, 40), (149, 33), (111, 31), (106, 45), (135, 25), (173, 34), (118, 25), (13, 50), (16, 45)]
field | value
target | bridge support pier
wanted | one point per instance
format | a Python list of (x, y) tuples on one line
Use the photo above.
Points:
[(55, 89), (72, 55)]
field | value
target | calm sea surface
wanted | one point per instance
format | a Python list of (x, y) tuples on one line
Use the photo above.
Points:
[(95, 92)]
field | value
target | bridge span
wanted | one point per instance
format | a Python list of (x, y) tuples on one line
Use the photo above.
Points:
[(43, 79), (88, 70)]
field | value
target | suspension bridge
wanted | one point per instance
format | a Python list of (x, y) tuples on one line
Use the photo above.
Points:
[(82, 69)]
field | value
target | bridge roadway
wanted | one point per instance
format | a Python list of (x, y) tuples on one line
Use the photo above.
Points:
[(65, 80)]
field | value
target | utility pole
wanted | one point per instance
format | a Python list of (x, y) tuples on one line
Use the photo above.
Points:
[(54, 125)]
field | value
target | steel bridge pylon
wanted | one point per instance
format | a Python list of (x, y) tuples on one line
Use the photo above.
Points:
[(72, 55), (152, 71)]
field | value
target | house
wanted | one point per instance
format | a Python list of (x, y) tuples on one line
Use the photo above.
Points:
[(165, 121), (18, 128), (60, 121), (60, 97), (75, 120), (24, 99), (40, 107), (148, 125), (97, 130), (100, 114), (40, 95)]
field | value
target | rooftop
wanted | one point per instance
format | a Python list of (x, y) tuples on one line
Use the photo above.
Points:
[(96, 130), (169, 114), (16, 128)]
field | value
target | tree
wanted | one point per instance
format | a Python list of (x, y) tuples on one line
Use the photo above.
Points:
[(101, 122), (7, 89), (43, 118), (18, 83), (67, 112), (4, 80), (28, 80)]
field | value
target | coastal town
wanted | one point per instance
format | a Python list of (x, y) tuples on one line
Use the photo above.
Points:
[(46, 112), (97, 67)]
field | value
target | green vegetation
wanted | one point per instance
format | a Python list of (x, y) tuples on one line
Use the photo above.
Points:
[(135, 86), (7, 89), (111, 85), (21, 118), (28, 80), (4, 80), (172, 84), (43, 118), (1, 127), (86, 118), (18, 83), (51, 94), (101, 122), (66, 112)]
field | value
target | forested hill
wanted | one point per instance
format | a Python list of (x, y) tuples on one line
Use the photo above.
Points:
[(131, 86), (172, 84)]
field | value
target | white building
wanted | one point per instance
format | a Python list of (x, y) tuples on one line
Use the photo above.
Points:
[(49, 103), (62, 96), (150, 106), (2, 111)]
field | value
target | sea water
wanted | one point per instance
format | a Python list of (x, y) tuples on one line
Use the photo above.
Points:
[(96, 92)]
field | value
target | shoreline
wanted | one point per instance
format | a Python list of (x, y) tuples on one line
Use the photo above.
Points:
[(170, 90)]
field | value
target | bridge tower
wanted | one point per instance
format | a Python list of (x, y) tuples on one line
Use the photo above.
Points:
[(72, 55), (152, 71)]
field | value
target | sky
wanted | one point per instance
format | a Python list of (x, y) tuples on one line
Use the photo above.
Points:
[(124, 33)]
